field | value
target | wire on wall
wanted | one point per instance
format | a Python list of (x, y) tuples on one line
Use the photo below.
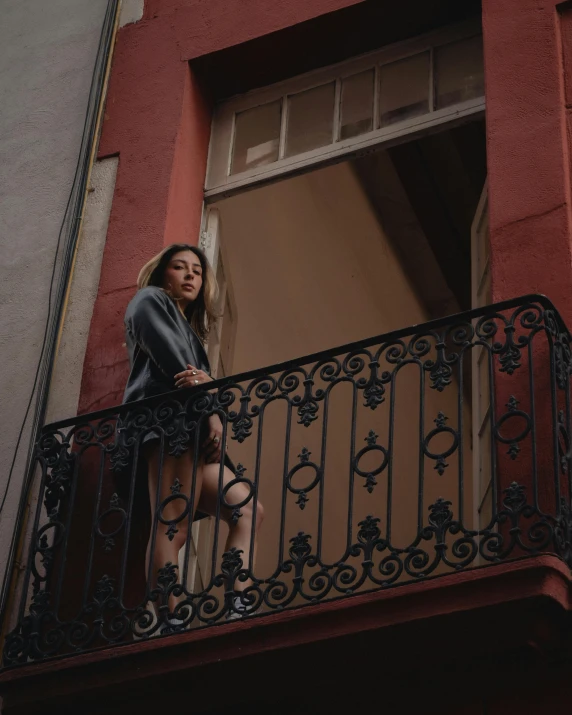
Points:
[(60, 279)]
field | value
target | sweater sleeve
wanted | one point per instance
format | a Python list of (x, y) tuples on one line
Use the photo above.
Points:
[(156, 331)]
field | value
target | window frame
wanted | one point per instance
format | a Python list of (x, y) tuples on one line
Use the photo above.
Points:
[(220, 182)]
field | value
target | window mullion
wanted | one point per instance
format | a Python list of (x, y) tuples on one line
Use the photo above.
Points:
[(432, 79), (376, 96), (337, 111), (231, 146), (283, 127)]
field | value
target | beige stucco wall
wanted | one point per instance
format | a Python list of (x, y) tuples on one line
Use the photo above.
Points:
[(314, 250), (312, 268)]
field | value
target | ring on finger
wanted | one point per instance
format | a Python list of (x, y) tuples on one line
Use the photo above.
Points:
[(216, 440), (193, 372), (196, 382)]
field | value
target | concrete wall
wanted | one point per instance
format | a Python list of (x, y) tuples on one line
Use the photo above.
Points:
[(46, 65)]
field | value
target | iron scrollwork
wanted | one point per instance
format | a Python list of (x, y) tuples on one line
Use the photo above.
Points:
[(374, 554)]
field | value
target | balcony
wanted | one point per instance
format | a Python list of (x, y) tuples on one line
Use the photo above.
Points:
[(408, 458)]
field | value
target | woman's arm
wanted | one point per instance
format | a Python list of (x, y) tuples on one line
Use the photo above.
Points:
[(157, 332)]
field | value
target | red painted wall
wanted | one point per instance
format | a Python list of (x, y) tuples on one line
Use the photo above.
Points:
[(142, 120), (182, 221), (158, 121), (528, 148), (529, 192)]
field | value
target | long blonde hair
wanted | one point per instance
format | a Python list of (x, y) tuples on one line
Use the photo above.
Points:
[(201, 313)]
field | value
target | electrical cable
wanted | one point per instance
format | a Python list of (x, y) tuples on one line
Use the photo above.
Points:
[(70, 226)]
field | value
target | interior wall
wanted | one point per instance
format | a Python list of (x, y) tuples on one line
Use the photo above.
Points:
[(313, 247), (312, 268)]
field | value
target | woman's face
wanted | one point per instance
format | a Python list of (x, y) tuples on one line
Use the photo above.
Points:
[(184, 277)]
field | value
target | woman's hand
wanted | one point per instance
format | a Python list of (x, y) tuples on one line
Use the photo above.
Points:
[(213, 443), (190, 377)]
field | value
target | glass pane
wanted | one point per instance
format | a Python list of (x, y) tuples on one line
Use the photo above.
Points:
[(459, 72), (256, 137), (404, 89), (357, 105), (310, 119)]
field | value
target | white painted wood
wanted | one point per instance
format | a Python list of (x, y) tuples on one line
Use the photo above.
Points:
[(209, 240), (337, 111), (219, 180), (348, 148)]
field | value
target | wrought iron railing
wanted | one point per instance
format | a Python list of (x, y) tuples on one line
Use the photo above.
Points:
[(414, 454)]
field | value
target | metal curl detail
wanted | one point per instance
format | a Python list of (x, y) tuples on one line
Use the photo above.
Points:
[(379, 542)]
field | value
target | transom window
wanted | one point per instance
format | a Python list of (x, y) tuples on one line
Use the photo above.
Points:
[(348, 107)]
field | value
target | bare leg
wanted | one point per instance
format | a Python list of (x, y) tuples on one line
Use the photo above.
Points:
[(206, 499), (174, 468), (239, 533)]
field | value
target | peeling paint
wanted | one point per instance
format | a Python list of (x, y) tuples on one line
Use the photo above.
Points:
[(131, 11)]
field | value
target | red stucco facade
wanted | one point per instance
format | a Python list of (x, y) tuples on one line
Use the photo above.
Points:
[(528, 147), (158, 121)]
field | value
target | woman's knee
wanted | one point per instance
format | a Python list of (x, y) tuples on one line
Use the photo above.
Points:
[(252, 510), (259, 513), (175, 533), (180, 538)]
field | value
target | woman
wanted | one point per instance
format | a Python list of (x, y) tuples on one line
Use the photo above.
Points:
[(166, 325)]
